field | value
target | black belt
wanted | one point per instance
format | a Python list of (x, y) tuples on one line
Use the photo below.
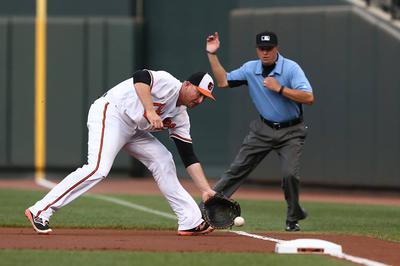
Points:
[(279, 125)]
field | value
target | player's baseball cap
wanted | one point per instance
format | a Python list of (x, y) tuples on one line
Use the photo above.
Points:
[(203, 83), (266, 39)]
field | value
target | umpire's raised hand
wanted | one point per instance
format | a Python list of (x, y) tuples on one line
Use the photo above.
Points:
[(212, 43)]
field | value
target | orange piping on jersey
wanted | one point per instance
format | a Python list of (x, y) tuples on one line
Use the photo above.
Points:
[(92, 173), (173, 135)]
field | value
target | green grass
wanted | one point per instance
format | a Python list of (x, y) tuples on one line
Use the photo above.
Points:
[(68, 258), (377, 221), (86, 212)]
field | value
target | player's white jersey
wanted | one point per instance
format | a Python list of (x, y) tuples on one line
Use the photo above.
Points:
[(165, 92)]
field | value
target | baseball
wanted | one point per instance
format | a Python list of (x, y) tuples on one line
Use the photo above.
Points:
[(239, 221)]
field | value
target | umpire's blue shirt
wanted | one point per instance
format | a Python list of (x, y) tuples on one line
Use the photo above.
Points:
[(271, 105)]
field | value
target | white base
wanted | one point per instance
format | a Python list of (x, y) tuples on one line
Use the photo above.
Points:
[(305, 245)]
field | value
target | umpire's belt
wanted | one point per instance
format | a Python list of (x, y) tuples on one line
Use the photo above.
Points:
[(279, 125)]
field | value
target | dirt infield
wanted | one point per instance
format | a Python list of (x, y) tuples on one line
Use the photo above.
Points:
[(168, 241)]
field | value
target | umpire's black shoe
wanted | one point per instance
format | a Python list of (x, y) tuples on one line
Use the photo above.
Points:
[(40, 225), (201, 229), (292, 226)]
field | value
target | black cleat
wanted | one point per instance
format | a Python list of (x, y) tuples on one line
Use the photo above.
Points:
[(201, 229), (40, 225), (292, 226)]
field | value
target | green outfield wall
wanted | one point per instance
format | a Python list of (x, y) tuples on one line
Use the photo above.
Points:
[(85, 57), (349, 57)]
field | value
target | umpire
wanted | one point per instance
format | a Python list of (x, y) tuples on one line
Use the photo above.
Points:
[(278, 87)]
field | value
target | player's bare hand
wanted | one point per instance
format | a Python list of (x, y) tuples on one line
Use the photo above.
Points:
[(154, 119), (207, 194), (272, 84), (212, 43)]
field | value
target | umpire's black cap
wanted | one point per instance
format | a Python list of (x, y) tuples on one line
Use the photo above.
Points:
[(266, 39)]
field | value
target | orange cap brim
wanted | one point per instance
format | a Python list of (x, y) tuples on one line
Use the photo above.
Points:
[(206, 93)]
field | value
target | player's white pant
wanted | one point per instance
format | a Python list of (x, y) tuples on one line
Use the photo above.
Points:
[(108, 134)]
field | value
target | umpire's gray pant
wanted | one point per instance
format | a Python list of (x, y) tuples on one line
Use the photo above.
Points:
[(288, 143)]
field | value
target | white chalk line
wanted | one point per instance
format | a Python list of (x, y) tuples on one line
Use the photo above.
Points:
[(242, 233), (359, 260), (133, 206)]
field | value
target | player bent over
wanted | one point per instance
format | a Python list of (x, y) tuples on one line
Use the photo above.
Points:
[(123, 119)]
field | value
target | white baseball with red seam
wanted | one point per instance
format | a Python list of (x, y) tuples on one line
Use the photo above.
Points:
[(239, 221)]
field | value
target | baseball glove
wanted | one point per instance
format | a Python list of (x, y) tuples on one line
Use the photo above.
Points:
[(220, 211)]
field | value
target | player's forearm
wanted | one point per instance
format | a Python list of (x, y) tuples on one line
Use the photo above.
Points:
[(197, 174), (144, 94), (298, 96), (218, 71)]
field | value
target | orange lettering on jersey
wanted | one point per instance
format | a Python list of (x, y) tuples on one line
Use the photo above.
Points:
[(167, 122), (160, 108)]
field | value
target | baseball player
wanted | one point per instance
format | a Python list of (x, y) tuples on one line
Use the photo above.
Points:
[(278, 87), (123, 118)]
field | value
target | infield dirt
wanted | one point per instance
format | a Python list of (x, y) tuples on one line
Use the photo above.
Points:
[(168, 241)]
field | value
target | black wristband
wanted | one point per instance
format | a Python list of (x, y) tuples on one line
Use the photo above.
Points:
[(210, 52), (281, 89)]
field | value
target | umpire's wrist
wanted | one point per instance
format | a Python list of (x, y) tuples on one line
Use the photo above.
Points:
[(280, 91), (208, 52)]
